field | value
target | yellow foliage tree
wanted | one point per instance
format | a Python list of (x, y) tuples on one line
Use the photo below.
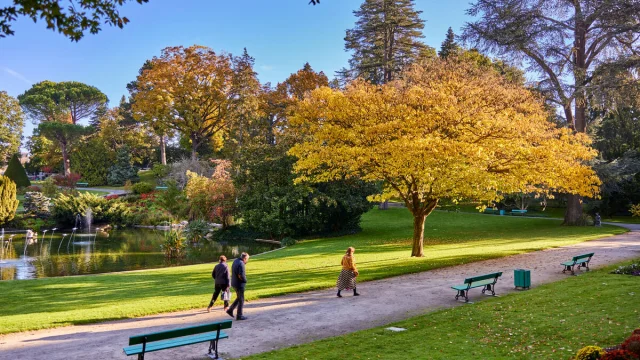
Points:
[(189, 89), (444, 130)]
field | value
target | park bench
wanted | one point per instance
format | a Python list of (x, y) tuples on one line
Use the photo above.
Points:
[(141, 344), (491, 211), (487, 281), (82, 184), (518, 212), (161, 188), (580, 260)]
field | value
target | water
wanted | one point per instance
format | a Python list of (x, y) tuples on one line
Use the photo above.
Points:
[(66, 253)]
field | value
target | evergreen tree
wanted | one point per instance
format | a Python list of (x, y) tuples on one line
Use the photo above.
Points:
[(385, 39), (449, 45), (122, 170), (8, 201), (16, 172)]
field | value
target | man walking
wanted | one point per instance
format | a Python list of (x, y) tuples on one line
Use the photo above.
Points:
[(222, 281), (239, 281)]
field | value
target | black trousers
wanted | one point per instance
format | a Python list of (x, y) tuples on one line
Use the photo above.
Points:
[(239, 302), (216, 292)]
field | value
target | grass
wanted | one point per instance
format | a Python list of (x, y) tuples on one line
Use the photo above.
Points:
[(383, 249), (20, 203), (145, 176), (552, 321)]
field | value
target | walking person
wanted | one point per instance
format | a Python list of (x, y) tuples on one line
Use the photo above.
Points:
[(239, 282), (222, 281), (347, 278)]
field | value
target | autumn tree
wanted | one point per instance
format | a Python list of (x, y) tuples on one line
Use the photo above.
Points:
[(11, 123), (564, 42), (386, 38), (193, 86), (213, 198), (65, 135), (444, 130), (449, 45), (72, 20)]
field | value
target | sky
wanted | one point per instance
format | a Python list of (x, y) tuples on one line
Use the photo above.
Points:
[(282, 35)]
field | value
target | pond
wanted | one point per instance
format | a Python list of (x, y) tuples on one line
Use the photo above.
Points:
[(55, 254)]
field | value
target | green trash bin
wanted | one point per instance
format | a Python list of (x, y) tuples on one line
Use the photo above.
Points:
[(522, 278)]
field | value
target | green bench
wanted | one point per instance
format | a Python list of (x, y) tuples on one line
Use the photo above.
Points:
[(82, 184), (519, 212), (492, 211), (161, 188), (580, 260), (487, 281), (141, 344)]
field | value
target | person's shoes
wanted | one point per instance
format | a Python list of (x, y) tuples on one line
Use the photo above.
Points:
[(208, 308), (241, 317), (356, 294), (339, 294), (230, 313)]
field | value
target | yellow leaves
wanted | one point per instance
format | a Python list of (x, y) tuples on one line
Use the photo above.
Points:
[(444, 130)]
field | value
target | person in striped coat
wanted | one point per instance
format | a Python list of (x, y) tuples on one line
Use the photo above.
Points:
[(349, 273)]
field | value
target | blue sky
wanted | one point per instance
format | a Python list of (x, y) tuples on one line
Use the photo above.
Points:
[(280, 34)]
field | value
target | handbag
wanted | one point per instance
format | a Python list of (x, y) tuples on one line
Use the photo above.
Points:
[(226, 295)]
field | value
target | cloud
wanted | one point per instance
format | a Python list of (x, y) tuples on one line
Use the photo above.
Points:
[(17, 75)]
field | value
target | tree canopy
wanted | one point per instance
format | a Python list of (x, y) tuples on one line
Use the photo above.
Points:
[(71, 21), (446, 129), (11, 123)]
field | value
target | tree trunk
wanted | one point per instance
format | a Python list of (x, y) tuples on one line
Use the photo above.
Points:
[(574, 210), (65, 158), (194, 148), (163, 150), (418, 235)]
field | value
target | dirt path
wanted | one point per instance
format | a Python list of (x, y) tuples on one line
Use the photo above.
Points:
[(298, 318)]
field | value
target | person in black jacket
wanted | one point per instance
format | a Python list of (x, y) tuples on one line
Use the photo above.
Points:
[(239, 281), (222, 280)]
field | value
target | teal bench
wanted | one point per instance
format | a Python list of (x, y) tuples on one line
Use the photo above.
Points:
[(82, 184), (487, 281), (492, 211), (161, 188), (580, 260), (518, 212), (141, 344)]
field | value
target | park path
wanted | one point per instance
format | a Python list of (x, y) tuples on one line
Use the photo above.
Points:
[(299, 318)]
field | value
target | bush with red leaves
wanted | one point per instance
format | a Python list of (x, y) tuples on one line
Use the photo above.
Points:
[(69, 181), (618, 355), (632, 345)]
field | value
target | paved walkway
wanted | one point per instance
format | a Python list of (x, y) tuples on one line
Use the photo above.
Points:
[(109, 191), (298, 318)]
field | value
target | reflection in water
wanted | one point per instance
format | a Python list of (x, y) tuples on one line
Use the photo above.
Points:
[(97, 253)]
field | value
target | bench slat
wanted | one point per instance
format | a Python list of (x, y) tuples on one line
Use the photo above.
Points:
[(175, 342), (482, 277), (580, 257), (163, 335)]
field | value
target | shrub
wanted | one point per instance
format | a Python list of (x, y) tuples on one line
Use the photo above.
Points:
[(33, 188), (173, 200), (632, 345), (212, 198), (173, 246), (8, 200), (618, 355), (35, 203), (636, 332), (589, 353), (68, 181), (288, 241), (16, 172), (122, 170), (92, 161), (178, 171), (196, 230), (632, 269), (160, 171), (49, 187), (142, 188), (67, 207)]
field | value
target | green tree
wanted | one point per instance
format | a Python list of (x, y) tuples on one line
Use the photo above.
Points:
[(65, 135), (11, 123), (385, 39), (617, 133), (563, 42), (92, 160), (8, 201), (449, 45), (122, 170), (71, 21), (15, 171), (44, 154)]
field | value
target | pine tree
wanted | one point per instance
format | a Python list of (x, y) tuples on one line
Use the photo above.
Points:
[(8, 201), (16, 172), (449, 45), (385, 39)]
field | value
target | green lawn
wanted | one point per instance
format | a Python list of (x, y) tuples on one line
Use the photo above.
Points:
[(551, 321), (383, 249), (145, 176), (20, 203)]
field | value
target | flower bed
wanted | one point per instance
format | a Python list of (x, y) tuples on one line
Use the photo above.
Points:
[(633, 269)]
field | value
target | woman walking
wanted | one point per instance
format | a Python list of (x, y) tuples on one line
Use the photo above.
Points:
[(347, 278), (222, 280)]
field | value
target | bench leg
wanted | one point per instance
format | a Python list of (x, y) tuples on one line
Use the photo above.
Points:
[(489, 287), (141, 356), (464, 294), (213, 348)]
